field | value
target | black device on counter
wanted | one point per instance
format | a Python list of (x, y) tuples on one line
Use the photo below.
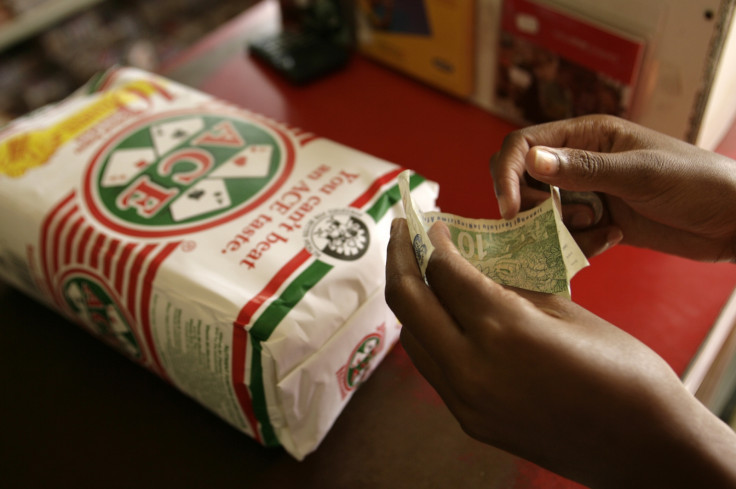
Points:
[(316, 39)]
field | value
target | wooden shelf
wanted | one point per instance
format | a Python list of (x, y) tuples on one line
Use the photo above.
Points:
[(38, 19)]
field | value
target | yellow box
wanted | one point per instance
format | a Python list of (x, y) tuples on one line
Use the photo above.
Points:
[(432, 40)]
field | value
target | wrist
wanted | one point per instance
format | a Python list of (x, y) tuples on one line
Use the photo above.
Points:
[(727, 167)]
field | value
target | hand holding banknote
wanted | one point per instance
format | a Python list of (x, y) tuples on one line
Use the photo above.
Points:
[(534, 251), (659, 192), (538, 376)]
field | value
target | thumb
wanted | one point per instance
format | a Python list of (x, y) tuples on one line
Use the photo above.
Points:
[(576, 169)]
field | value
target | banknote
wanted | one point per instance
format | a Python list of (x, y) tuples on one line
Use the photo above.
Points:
[(533, 251)]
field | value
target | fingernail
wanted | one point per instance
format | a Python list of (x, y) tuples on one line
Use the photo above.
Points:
[(394, 225), (546, 162), (502, 208), (614, 237)]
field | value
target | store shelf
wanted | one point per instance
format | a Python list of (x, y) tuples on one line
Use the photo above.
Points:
[(39, 18), (75, 39)]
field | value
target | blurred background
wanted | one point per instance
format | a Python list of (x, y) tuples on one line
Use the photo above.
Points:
[(48, 48)]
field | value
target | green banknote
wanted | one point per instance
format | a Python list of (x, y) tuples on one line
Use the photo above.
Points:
[(533, 251)]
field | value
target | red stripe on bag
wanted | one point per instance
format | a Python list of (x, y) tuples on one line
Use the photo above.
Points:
[(107, 264), (96, 250), (240, 346), (247, 312), (69, 242), (135, 271), (83, 242), (56, 249), (375, 187), (120, 269), (46, 230), (146, 291)]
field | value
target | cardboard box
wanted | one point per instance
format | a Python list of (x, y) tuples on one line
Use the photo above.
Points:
[(552, 65), (432, 40), (678, 58), (667, 65)]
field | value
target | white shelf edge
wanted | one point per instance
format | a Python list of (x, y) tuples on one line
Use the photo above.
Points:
[(711, 346), (39, 18)]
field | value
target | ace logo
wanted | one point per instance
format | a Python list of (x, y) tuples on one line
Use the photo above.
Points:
[(184, 172), (93, 304), (361, 361)]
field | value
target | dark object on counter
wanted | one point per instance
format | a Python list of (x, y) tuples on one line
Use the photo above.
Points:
[(316, 39), (300, 57)]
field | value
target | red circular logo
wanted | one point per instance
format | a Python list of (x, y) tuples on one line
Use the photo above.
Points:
[(181, 172)]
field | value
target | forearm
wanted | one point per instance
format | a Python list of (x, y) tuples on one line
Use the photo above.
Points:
[(709, 452), (694, 449)]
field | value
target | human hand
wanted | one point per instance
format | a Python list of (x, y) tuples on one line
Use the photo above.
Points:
[(541, 377), (658, 192)]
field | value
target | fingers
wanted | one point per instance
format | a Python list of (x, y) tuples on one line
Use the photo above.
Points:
[(594, 133), (619, 174), (415, 304), (507, 174), (471, 298), (577, 216), (597, 240), (592, 238), (428, 367)]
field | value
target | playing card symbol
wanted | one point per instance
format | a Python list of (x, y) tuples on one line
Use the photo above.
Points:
[(125, 164), (218, 196), (206, 196), (252, 162), (196, 195), (168, 135)]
